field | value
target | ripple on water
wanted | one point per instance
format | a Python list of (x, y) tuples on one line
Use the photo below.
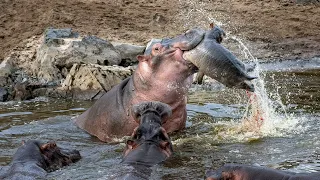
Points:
[(14, 114), (215, 133)]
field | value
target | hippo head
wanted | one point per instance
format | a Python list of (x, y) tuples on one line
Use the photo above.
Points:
[(163, 59), (200, 50), (149, 143), (48, 156)]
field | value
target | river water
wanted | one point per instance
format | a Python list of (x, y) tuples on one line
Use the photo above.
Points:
[(215, 132)]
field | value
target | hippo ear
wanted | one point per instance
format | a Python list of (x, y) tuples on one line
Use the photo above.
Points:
[(166, 148), (130, 145), (163, 109), (47, 146), (142, 58)]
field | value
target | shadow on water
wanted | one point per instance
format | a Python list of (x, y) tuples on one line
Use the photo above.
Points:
[(212, 136)]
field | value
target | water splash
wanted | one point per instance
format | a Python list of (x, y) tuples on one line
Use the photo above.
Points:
[(263, 115), (195, 13)]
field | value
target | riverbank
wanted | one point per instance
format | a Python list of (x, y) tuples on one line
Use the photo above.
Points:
[(75, 58), (283, 29)]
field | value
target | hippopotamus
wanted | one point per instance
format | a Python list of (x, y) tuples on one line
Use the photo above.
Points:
[(149, 144), (245, 172), (34, 159), (163, 74)]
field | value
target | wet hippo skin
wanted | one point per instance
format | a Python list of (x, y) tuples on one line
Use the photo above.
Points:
[(245, 172), (33, 160), (149, 144), (163, 75)]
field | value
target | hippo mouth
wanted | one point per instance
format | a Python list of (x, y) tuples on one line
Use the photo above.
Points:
[(148, 149), (203, 50), (177, 53), (56, 157), (185, 42), (159, 139)]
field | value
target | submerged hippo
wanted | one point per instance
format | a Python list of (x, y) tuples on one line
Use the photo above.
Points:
[(163, 74), (150, 144), (244, 172), (34, 159)]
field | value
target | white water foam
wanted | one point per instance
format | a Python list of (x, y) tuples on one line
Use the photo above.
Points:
[(266, 114)]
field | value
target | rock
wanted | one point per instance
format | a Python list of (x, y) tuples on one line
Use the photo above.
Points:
[(62, 65), (22, 92), (40, 92), (93, 50), (22, 57), (21, 76), (86, 81), (53, 36), (44, 66), (128, 53), (61, 49), (3, 94), (6, 70), (6, 67)]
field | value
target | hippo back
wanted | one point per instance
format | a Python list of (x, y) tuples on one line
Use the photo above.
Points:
[(109, 118)]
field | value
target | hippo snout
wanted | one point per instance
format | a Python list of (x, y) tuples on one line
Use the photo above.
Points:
[(184, 42), (149, 143)]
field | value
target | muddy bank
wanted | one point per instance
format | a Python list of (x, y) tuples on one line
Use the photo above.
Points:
[(36, 61), (273, 29)]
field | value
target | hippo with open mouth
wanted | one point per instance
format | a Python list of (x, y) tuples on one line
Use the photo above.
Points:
[(164, 73), (33, 160)]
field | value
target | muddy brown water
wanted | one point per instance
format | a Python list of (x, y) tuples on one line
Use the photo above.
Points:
[(209, 141)]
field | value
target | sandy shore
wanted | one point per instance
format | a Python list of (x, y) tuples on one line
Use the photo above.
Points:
[(280, 29)]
